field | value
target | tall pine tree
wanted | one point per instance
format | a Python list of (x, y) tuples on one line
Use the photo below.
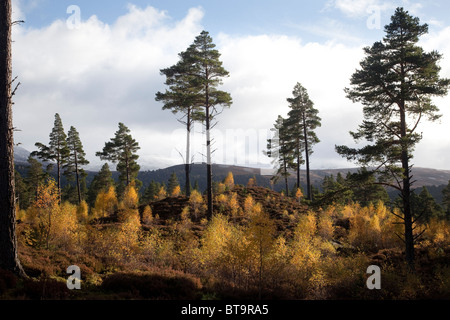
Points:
[(101, 183), (279, 149), (76, 159), (204, 66), (185, 97), (302, 120), (395, 85), (57, 152), (122, 150)]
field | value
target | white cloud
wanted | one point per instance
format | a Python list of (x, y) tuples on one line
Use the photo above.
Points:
[(100, 74), (97, 74)]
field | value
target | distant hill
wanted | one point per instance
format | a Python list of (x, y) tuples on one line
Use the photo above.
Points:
[(433, 179), (424, 176)]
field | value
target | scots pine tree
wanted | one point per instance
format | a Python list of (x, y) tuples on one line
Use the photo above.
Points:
[(56, 152), (122, 150), (101, 183), (279, 149), (204, 66), (302, 120), (76, 159), (172, 184), (184, 97), (35, 177), (395, 85)]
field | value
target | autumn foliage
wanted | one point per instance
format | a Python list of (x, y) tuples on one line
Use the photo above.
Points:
[(259, 244)]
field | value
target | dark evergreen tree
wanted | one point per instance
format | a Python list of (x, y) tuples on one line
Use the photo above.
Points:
[(122, 150), (101, 182), (207, 72), (151, 192), (75, 161), (22, 196), (278, 148), (57, 152), (196, 186), (185, 97), (446, 200), (395, 85), (172, 183), (302, 120), (34, 178), (424, 206)]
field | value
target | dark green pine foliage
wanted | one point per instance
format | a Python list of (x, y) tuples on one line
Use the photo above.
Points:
[(278, 148), (424, 206), (446, 200), (172, 183), (122, 150), (151, 192), (101, 182), (75, 162), (57, 152), (183, 97), (365, 189), (302, 120), (395, 85), (22, 196), (204, 66), (34, 178)]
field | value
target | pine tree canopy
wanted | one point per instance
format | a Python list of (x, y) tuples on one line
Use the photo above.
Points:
[(122, 150)]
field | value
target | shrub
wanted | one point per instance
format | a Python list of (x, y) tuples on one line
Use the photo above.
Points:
[(164, 285)]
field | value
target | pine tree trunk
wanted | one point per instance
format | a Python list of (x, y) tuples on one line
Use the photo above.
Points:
[(77, 174), (8, 242), (406, 194), (188, 155), (298, 165), (308, 178), (208, 165), (58, 165), (208, 150), (286, 178)]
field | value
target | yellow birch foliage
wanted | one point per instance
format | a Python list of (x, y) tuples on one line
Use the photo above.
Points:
[(222, 201), (298, 194), (106, 203), (196, 203), (130, 197), (176, 191), (261, 233), (221, 188), (233, 205), (82, 211), (325, 226), (438, 232), (127, 239), (42, 213), (215, 238), (147, 216), (66, 227), (229, 181), (305, 247), (249, 203), (372, 228), (162, 193)]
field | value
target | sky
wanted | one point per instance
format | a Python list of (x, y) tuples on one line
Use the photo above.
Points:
[(97, 63)]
